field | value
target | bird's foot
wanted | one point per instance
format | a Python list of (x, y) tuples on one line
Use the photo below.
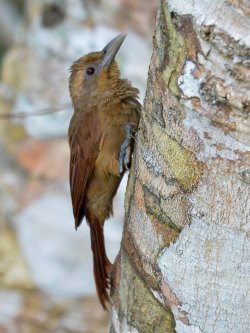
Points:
[(127, 148)]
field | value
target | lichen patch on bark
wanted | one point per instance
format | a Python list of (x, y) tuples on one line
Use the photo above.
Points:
[(177, 52), (139, 308), (182, 162)]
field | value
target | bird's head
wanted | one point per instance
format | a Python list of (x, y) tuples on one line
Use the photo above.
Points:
[(94, 77)]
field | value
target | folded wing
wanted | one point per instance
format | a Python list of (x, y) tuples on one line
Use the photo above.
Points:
[(85, 143)]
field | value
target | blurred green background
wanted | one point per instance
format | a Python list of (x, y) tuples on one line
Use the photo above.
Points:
[(46, 281)]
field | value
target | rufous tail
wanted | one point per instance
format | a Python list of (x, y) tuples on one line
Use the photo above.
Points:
[(102, 266)]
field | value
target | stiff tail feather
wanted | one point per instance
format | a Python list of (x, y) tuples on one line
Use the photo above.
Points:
[(102, 266)]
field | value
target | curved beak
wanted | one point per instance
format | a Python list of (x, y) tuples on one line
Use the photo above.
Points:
[(110, 50)]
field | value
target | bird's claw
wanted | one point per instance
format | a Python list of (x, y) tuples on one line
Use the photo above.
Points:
[(126, 148)]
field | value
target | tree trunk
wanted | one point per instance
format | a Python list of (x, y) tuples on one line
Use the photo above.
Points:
[(184, 263)]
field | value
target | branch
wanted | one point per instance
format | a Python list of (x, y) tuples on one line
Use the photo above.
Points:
[(39, 112)]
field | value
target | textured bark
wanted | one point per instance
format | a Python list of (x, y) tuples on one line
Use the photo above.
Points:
[(184, 260)]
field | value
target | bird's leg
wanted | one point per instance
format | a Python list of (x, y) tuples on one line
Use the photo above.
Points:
[(126, 147)]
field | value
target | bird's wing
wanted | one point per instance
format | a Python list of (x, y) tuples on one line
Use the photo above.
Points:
[(85, 139)]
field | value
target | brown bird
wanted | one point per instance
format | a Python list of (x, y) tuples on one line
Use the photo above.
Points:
[(101, 132)]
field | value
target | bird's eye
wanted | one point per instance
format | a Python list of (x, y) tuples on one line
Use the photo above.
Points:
[(90, 71)]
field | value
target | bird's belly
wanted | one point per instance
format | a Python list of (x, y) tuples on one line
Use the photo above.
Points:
[(114, 135), (105, 178), (100, 193)]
